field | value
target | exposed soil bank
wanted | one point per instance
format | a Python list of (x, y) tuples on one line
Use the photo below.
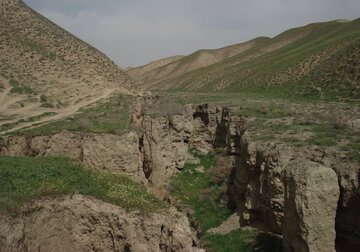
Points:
[(307, 195)]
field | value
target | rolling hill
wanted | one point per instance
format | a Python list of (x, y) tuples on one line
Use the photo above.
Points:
[(320, 59), (152, 73), (45, 72)]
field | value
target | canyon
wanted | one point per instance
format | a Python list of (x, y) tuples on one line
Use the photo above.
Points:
[(305, 195)]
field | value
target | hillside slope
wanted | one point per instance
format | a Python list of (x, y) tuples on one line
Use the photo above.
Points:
[(305, 59), (45, 69), (196, 60), (137, 72)]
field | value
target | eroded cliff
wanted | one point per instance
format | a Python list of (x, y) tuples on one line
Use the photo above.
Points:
[(295, 192)]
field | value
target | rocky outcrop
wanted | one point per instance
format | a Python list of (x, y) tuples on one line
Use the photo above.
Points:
[(258, 187), (262, 173), (165, 140), (81, 223), (151, 154), (311, 198), (117, 154)]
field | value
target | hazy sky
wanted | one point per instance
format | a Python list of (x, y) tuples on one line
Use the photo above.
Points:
[(135, 32)]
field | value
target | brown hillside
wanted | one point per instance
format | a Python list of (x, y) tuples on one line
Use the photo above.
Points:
[(45, 69), (196, 60), (296, 58), (137, 72)]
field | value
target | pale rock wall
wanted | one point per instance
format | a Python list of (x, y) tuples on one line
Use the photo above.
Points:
[(81, 223), (311, 199)]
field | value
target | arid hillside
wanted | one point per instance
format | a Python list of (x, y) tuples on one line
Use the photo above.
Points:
[(45, 71), (303, 60), (137, 72), (154, 72)]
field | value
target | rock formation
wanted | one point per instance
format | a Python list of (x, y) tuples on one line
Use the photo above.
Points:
[(311, 198), (269, 188), (261, 176), (81, 223)]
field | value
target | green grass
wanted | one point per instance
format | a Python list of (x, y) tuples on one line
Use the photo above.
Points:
[(193, 188), (352, 150), (8, 126), (279, 73), (244, 241), (205, 197), (234, 241), (321, 140), (25, 178), (111, 117)]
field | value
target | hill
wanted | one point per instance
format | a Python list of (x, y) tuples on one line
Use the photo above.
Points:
[(303, 60), (46, 71), (172, 68), (136, 72)]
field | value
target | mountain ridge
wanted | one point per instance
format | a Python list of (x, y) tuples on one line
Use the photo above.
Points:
[(286, 59)]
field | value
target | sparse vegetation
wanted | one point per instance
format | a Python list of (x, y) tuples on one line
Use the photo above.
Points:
[(292, 120), (166, 109), (205, 191), (7, 126), (26, 178), (108, 117), (288, 65)]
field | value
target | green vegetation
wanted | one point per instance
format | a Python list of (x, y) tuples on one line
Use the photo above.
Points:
[(4, 76), (20, 88), (203, 187), (7, 126), (194, 188), (295, 120), (25, 178), (352, 150), (237, 240), (110, 117), (303, 68)]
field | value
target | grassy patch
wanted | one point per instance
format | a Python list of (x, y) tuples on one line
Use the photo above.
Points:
[(24, 178), (234, 241), (7, 126), (352, 151), (244, 241), (321, 140), (194, 188), (111, 117)]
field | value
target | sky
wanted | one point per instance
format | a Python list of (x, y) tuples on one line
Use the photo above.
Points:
[(135, 32)]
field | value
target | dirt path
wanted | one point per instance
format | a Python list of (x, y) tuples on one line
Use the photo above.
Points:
[(62, 112)]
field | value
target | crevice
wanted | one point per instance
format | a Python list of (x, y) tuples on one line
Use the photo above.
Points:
[(202, 113)]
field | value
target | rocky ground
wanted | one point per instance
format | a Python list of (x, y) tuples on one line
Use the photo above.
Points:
[(305, 194)]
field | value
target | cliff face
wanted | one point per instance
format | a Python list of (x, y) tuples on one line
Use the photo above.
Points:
[(150, 155), (81, 223), (270, 181)]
